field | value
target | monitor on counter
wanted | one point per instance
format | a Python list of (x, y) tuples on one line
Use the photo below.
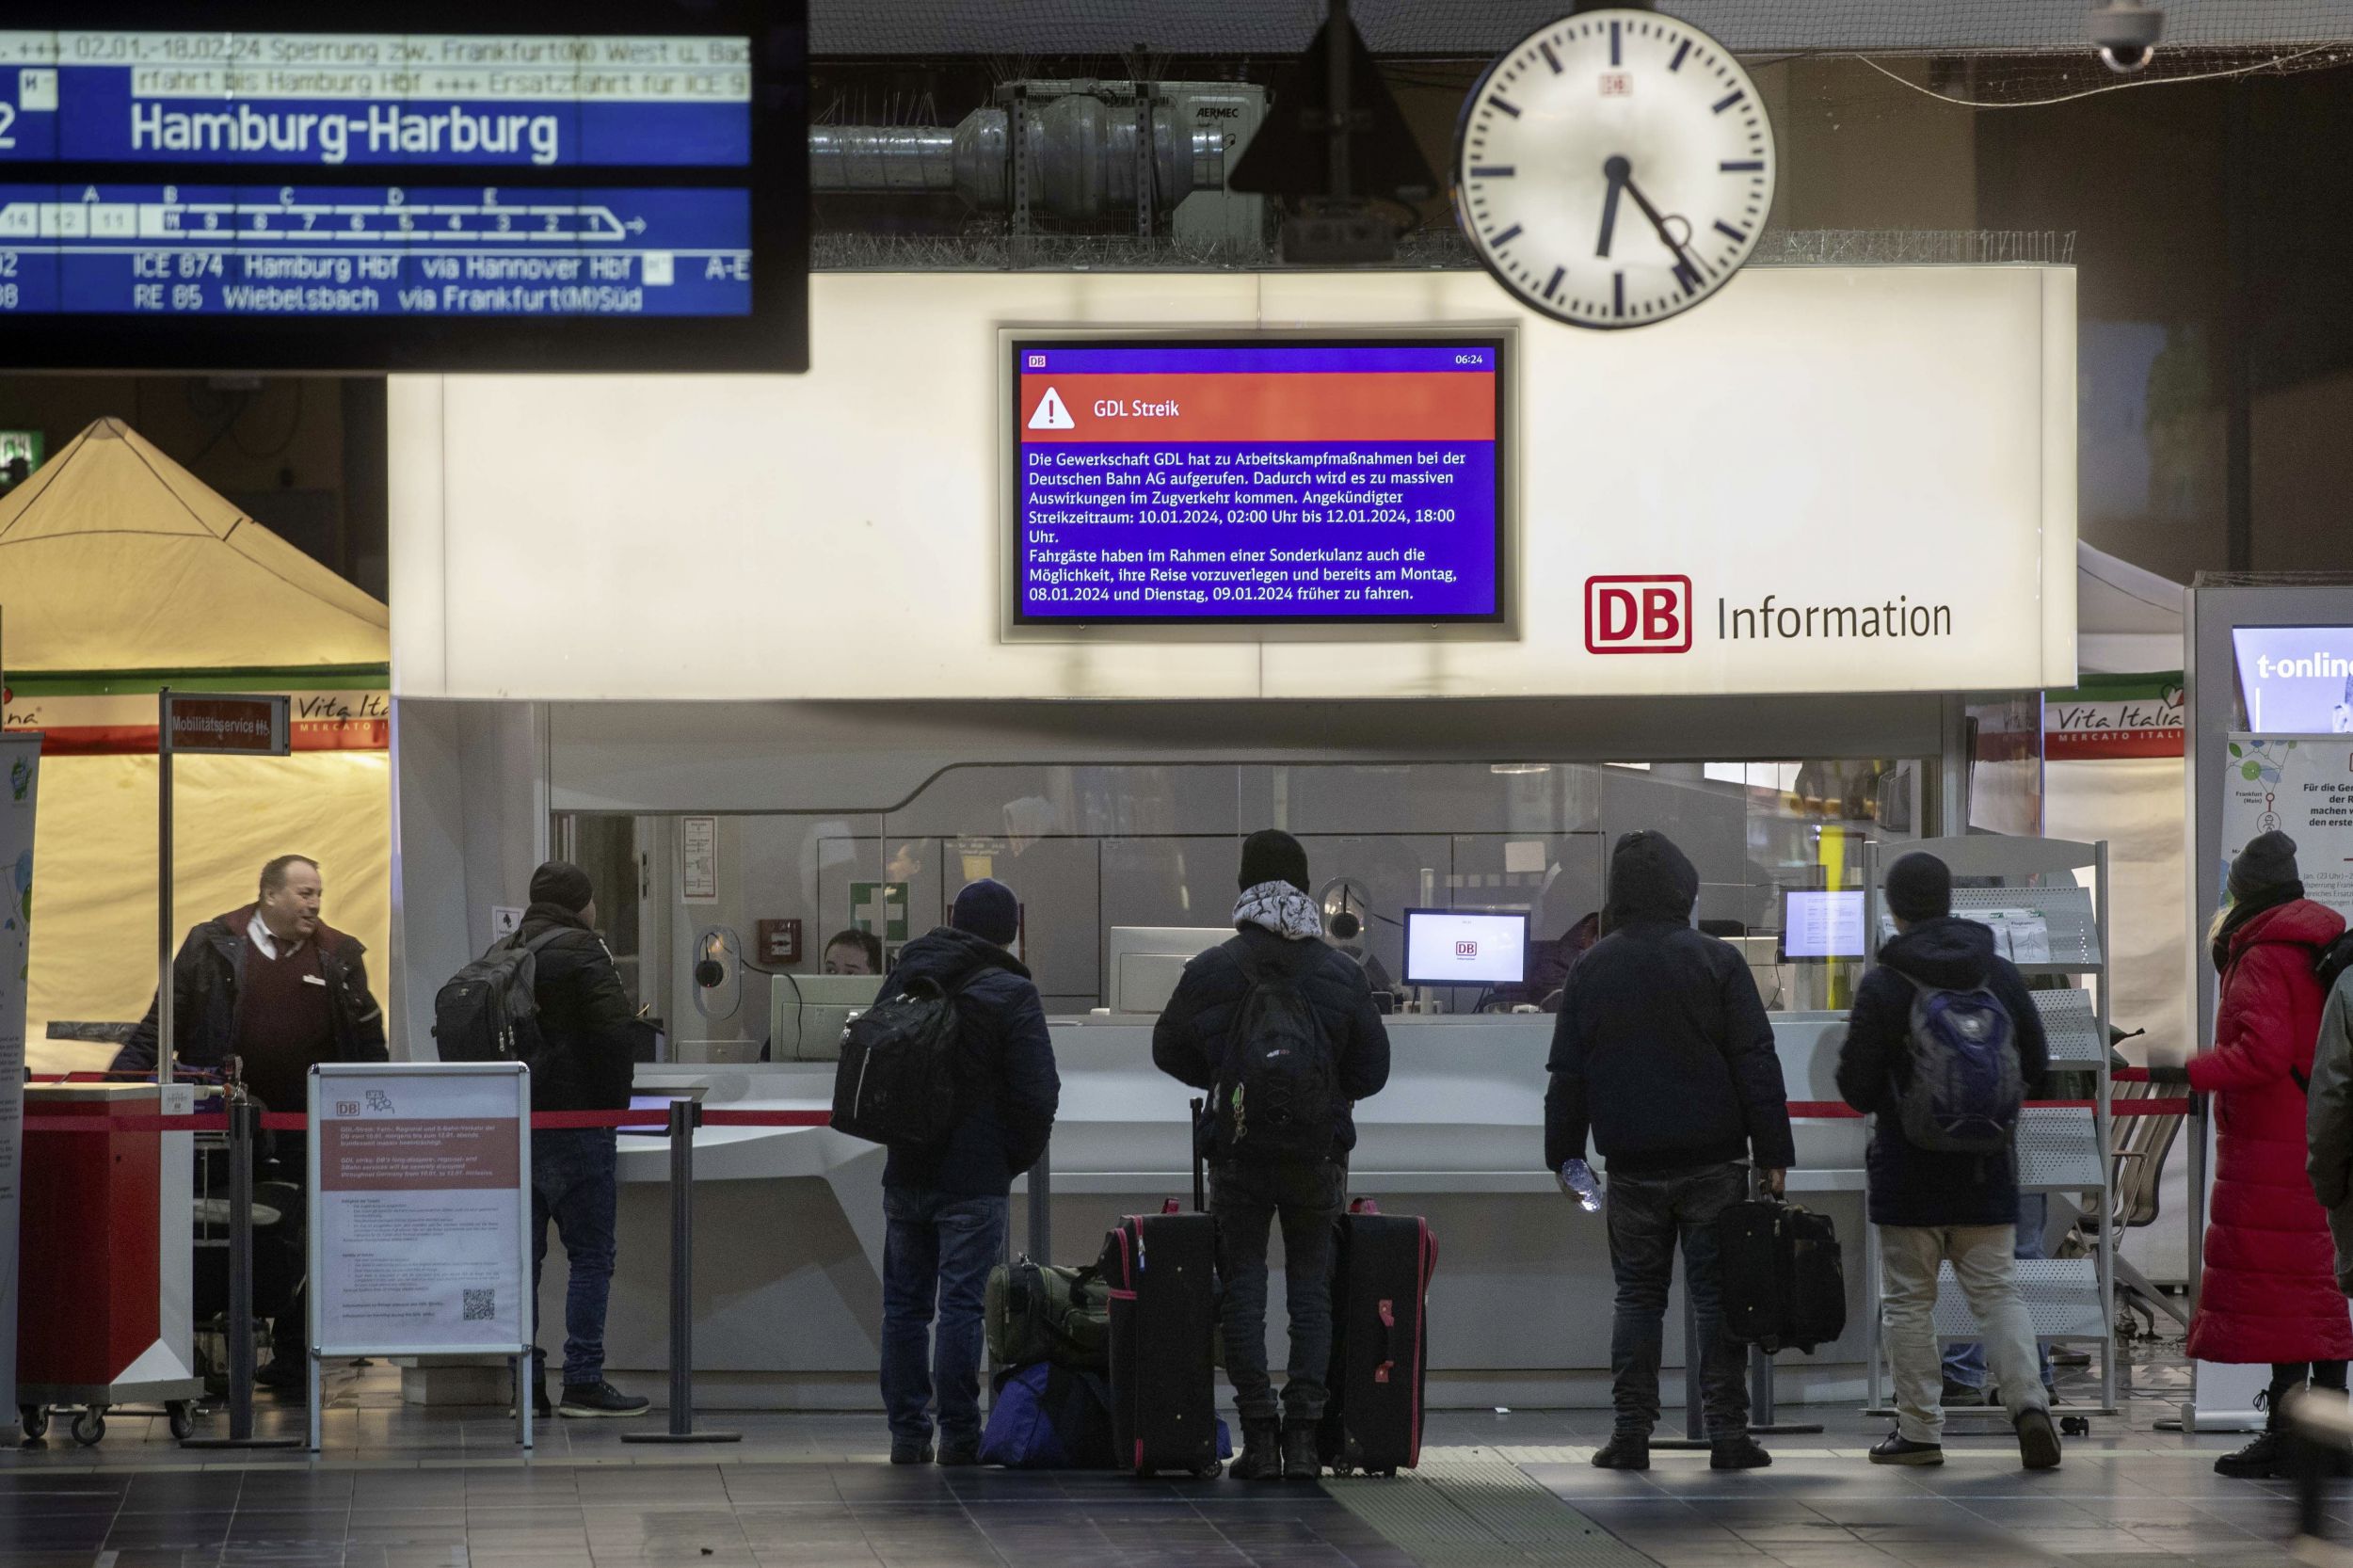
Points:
[(1818, 924), (806, 1013), (1171, 481), (1465, 946)]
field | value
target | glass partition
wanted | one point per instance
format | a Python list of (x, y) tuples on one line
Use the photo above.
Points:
[(1101, 852)]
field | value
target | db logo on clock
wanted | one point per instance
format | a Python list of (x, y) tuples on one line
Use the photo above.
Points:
[(1637, 615)]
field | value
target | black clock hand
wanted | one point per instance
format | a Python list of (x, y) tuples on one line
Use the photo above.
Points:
[(1688, 267), (1617, 171)]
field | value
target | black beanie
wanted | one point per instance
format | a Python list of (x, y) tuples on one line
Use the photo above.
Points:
[(564, 885), (988, 910), (1272, 855), (1919, 887), (2268, 861)]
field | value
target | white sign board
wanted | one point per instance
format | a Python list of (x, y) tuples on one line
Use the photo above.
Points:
[(20, 770), (2303, 786), (420, 1212), (699, 859)]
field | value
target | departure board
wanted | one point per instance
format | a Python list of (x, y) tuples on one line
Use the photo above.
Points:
[(478, 193), (1269, 482)]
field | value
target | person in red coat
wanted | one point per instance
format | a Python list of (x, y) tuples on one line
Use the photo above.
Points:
[(2269, 1290)]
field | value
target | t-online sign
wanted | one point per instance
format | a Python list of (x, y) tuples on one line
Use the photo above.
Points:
[(1637, 615)]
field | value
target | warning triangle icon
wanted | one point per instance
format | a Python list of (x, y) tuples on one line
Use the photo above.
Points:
[(1052, 414)]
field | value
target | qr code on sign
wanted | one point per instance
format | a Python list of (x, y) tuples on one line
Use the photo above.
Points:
[(481, 1305)]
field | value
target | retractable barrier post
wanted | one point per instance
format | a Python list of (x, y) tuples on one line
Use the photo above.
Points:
[(1694, 1370), (244, 1118), (684, 1116)]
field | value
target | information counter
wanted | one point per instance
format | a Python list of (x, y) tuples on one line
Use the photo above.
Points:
[(790, 1223)]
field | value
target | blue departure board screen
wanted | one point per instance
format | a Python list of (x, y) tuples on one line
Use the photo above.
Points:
[(480, 193)]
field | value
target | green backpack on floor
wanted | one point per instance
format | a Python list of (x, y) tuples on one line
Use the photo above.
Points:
[(1041, 1312)]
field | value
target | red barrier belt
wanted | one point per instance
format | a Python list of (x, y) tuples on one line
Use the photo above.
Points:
[(281, 1121), (1839, 1111)]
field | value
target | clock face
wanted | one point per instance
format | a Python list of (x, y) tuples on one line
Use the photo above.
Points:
[(1614, 168)]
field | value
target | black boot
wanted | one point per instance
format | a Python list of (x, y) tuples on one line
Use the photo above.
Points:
[(2265, 1459), (1625, 1451), (1300, 1460), (1261, 1450)]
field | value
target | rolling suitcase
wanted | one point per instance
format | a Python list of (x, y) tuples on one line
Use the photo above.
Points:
[(1784, 1284), (1162, 1270), (1380, 1339)]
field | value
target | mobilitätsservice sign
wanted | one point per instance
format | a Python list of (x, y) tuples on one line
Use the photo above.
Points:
[(226, 723)]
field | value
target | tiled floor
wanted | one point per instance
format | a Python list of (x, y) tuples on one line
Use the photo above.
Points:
[(404, 1488)]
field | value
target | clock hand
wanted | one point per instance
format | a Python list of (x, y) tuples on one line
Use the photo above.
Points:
[(1689, 268), (1617, 171)]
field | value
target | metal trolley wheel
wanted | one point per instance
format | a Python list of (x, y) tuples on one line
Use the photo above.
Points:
[(181, 1416), (1210, 1471), (89, 1427), (36, 1421)]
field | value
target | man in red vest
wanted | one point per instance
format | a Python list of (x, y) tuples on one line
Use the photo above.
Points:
[(277, 988)]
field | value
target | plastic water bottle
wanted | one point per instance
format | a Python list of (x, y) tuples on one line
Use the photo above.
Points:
[(1578, 1177)]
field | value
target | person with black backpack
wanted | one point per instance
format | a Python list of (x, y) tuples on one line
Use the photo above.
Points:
[(1942, 1048), (957, 996), (576, 1037), (1281, 1028)]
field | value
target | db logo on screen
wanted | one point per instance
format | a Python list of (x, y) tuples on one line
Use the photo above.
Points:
[(1467, 949), (1637, 615)]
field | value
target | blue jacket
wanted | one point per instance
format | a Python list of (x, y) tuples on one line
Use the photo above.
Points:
[(1910, 1185), (1008, 1088), (1190, 1042)]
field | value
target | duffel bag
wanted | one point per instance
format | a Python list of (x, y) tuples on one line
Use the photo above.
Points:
[(1048, 1417), (1042, 1312)]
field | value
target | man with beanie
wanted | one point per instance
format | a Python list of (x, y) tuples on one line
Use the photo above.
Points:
[(1935, 1205), (1662, 1052), (945, 1204), (1275, 977), (582, 1063)]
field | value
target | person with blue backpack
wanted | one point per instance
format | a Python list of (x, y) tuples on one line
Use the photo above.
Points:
[(1281, 1030), (1940, 1048)]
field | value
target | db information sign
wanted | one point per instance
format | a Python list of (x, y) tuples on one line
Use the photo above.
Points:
[(420, 1212), (225, 725)]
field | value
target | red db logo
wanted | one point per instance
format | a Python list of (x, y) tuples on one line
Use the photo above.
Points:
[(1467, 949), (1637, 615)]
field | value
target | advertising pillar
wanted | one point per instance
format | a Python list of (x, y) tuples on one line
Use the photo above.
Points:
[(20, 770)]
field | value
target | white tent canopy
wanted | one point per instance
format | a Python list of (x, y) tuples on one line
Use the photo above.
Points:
[(2128, 620)]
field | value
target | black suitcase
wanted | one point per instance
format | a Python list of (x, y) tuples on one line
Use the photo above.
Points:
[(1162, 1270), (1784, 1284), (1380, 1341)]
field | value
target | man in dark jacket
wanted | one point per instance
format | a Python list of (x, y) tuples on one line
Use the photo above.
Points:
[(277, 988), (582, 1063), (1663, 1052), (1931, 1206), (1199, 1041), (946, 1204)]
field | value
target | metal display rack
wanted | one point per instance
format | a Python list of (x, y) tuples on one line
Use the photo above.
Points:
[(2061, 1150)]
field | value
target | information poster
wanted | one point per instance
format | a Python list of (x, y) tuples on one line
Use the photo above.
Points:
[(419, 1188), (2303, 786), (699, 859), (20, 772)]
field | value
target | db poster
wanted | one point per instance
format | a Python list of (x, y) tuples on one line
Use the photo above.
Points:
[(420, 1182), (2303, 786)]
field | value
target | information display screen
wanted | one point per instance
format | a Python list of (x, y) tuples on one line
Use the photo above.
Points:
[(1465, 946), (476, 193), (1819, 924), (1266, 481), (2295, 680)]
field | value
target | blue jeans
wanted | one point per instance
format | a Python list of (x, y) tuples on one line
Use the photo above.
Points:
[(1966, 1363), (938, 1250), (574, 1174), (1647, 1216)]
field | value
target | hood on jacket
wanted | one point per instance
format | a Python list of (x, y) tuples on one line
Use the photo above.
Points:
[(554, 914), (1650, 879), (1947, 953), (945, 955), (2298, 920)]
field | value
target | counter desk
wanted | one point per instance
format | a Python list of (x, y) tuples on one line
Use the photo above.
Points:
[(789, 1224)]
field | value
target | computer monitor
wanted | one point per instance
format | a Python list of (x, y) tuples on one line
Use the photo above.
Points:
[(1142, 963), (1819, 924), (806, 1013), (1465, 946)]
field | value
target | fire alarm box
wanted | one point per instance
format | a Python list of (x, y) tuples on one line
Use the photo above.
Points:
[(780, 942)]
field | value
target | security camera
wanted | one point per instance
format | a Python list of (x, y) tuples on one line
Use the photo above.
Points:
[(2126, 32)]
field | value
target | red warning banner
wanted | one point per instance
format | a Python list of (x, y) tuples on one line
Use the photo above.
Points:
[(1441, 406)]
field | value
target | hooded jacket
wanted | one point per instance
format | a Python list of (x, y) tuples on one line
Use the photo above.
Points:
[(1910, 1185), (205, 976), (1007, 1086), (587, 1029), (1662, 1050), (2270, 1291)]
